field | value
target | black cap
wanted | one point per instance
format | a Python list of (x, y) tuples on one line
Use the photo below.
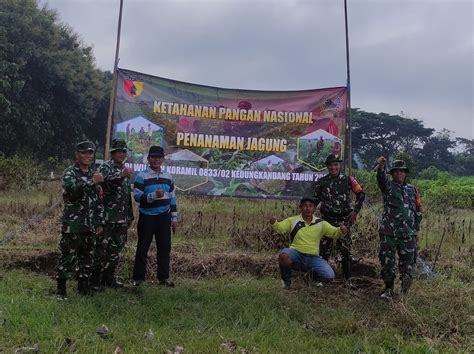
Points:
[(118, 144), (84, 146), (156, 151), (308, 199), (399, 165), (332, 158)]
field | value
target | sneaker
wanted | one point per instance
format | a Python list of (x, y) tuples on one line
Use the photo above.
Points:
[(387, 294), (168, 283), (286, 284)]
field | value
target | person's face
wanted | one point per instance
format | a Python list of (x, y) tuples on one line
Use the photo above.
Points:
[(307, 208), (119, 156), (334, 168), (399, 176), (155, 162), (84, 158)]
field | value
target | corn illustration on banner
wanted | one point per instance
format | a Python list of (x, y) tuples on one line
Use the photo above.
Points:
[(231, 142)]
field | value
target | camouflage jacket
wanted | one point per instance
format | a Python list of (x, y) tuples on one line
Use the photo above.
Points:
[(117, 194), (334, 194), (401, 207), (83, 209)]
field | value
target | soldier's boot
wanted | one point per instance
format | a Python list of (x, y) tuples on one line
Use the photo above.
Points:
[(83, 287), (95, 282), (406, 283), (387, 293), (285, 273), (61, 289), (110, 281)]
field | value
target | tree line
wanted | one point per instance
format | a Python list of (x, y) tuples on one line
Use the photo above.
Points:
[(52, 95)]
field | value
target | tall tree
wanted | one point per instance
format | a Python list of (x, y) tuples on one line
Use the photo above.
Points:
[(437, 151), (384, 134), (51, 93)]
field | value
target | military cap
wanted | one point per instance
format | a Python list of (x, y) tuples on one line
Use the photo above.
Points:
[(308, 199), (156, 151), (332, 158), (118, 144), (399, 165), (84, 146)]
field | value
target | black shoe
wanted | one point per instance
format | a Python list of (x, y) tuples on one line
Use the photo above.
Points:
[(387, 294), (61, 289), (95, 283), (84, 288), (109, 281), (168, 283), (115, 284), (406, 283)]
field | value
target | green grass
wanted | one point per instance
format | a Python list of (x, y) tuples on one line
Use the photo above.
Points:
[(252, 312), (255, 313)]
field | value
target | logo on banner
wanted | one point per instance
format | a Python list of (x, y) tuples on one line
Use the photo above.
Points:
[(133, 88)]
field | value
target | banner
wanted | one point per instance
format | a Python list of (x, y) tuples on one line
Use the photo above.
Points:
[(229, 142)]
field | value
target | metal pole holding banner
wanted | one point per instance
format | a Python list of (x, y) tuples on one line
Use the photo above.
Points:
[(114, 86), (348, 107)]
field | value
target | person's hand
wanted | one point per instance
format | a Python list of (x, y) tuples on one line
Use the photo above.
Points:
[(343, 228), (352, 217), (381, 162), (174, 225), (126, 172), (99, 229), (159, 193), (272, 220), (97, 178)]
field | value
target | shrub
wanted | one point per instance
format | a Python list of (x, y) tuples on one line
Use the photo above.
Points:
[(19, 173)]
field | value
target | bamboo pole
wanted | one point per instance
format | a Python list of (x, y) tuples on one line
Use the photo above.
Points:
[(348, 106), (114, 86)]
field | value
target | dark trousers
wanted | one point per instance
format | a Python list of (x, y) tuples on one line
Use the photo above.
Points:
[(160, 227), (343, 245)]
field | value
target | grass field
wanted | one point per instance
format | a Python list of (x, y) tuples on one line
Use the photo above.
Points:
[(228, 296)]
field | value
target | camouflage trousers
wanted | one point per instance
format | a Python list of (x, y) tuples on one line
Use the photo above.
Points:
[(77, 255), (405, 246), (343, 245), (108, 247)]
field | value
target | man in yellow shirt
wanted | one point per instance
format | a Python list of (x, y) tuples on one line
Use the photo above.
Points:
[(305, 233)]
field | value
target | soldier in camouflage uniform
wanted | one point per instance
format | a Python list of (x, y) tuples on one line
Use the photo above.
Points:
[(118, 214), (399, 226), (333, 191), (82, 220)]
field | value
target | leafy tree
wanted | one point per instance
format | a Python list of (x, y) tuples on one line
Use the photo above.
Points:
[(466, 146), (383, 134), (51, 93), (437, 151)]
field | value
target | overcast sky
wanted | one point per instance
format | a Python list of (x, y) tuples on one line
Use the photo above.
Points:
[(413, 56)]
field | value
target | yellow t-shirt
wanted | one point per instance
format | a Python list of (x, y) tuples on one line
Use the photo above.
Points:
[(306, 236)]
